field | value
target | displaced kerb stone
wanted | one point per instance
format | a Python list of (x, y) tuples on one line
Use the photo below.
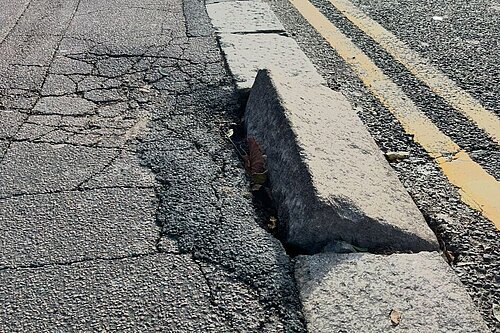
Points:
[(329, 178)]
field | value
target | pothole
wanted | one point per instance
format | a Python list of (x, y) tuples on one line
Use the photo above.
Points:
[(254, 161)]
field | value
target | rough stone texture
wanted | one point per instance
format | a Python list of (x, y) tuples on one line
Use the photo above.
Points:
[(472, 239), (357, 292), (243, 17), (329, 178), (247, 53)]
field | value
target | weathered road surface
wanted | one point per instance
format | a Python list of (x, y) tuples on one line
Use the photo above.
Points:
[(122, 206), (397, 59)]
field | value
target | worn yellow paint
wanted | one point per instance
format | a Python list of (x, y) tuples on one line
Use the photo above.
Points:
[(438, 82), (478, 189)]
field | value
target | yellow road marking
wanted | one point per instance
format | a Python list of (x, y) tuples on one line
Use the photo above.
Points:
[(477, 188), (438, 82)]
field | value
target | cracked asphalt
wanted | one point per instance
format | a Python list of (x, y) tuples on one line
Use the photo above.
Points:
[(122, 205)]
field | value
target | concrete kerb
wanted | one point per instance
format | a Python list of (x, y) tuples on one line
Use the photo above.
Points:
[(332, 183), (329, 178), (252, 38), (367, 293), (227, 17)]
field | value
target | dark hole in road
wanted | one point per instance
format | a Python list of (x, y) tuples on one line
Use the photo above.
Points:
[(260, 187)]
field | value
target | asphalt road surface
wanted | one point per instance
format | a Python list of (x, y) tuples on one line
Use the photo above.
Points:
[(385, 56), (123, 207)]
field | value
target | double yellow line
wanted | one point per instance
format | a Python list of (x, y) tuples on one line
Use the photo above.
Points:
[(477, 188)]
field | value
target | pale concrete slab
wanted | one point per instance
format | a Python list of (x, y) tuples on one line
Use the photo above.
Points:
[(357, 292), (329, 178), (247, 53), (243, 17)]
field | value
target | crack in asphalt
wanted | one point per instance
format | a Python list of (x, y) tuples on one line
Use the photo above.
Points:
[(48, 66), (207, 280), (63, 143), (77, 189), (86, 260), (91, 177), (7, 36)]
